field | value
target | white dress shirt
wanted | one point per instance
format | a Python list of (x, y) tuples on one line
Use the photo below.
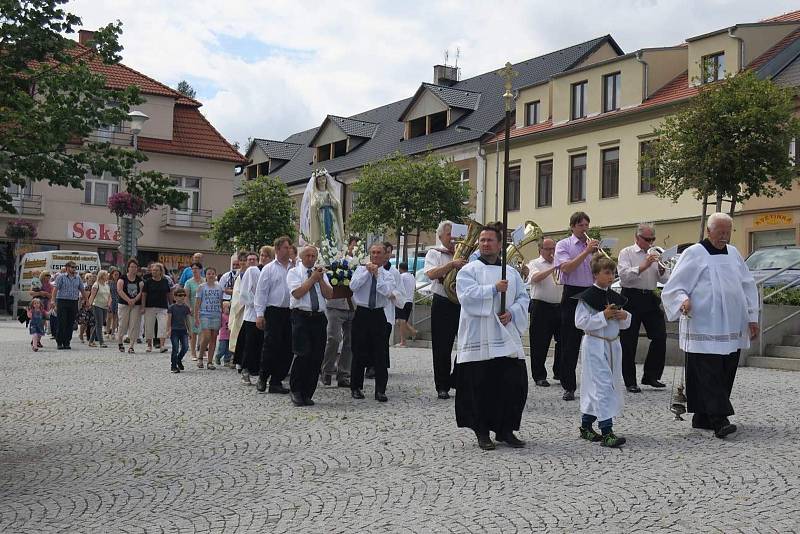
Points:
[(247, 291), (433, 259), (628, 267), (360, 284), (294, 279), (546, 289), (409, 284), (397, 293), (272, 289)]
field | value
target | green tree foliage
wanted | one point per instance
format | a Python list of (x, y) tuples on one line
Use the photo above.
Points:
[(730, 142), (263, 212), (186, 89), (51, 101), (404, 195)]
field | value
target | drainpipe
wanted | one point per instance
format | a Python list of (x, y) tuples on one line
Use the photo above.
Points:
[(480, 200), (646, 69), (731, 33)]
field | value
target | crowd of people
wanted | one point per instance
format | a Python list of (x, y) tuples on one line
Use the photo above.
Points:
[(275, 315)]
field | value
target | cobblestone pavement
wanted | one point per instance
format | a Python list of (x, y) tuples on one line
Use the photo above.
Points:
[(96, 441)]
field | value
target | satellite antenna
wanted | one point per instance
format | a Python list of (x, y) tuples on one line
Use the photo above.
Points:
[(458, 54), (446, 57)]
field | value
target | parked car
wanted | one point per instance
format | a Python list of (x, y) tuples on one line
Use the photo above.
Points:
[(423, 284), (766, 261)]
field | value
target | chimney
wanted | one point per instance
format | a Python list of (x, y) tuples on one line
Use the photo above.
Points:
[(445, 75), (84, 36)]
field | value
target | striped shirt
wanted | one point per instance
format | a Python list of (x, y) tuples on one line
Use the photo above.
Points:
[(68, 287)]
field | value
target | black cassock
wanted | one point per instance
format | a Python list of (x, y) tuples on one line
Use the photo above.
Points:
[(491, 394)]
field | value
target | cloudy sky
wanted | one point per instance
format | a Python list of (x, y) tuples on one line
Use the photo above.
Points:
[(269, 68)]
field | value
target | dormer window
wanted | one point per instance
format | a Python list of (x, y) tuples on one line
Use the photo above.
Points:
[(579, 100), (277, 154), (339, 135), (713, 67), (612, 87), (433, 108)]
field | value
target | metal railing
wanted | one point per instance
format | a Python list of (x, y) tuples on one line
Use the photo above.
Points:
[(119, 135), (189, 219), (27, 204), (762, 297), (419, 298)]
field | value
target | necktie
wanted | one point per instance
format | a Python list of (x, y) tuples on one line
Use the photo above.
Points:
[(313, 294), (373, 292)]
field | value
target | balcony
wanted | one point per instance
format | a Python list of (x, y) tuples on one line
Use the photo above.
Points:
[(190, 220), (27, 205), (117, 135)]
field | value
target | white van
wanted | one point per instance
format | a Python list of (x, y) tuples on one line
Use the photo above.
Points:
[(53, 261)]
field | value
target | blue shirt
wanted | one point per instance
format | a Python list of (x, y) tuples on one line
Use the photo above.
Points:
[(69, 287), (187, 274)]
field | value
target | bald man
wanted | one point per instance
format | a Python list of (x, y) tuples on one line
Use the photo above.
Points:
[(545, 311)]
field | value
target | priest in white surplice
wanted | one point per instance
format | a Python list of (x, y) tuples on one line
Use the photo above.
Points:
[(715, 296), (492, 378)]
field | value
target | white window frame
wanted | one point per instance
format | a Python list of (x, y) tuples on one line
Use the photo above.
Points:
[(90, 186), (182, 183)]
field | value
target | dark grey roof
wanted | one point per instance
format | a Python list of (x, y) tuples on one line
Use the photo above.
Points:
[(277, 149), (457, 98), (354, 127), (790, 76), (388, 136)]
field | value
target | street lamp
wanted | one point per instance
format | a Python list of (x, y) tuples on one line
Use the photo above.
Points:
[(497, 158), (508, 74), (137, 120), (129, 226)]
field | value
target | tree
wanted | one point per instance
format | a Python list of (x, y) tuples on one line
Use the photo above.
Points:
[(263, 212), (51, 102), (186, 89), (408, 195), (730, 143)]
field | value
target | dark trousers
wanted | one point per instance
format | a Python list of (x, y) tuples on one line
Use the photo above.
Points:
[(67, 311), (251, 352), (444, 328), (309, 335), (645, 309), (54, 325), (276, 352), (241, 342), (570, 338), (709, 383), (179, 339), (369, 347), (545, 326)]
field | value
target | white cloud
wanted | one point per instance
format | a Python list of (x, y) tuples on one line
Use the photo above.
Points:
[(309, 59)]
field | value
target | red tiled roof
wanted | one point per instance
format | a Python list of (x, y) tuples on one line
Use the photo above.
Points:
[(772, 52), (677, 89), (193, 136), (792, 16)]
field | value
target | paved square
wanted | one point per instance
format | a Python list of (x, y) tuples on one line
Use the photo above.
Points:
[(97, 441)]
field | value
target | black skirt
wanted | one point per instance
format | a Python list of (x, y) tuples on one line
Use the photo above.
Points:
[(709, 382), (491, 394)]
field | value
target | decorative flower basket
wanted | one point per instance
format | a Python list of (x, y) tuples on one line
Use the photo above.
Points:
[(20, 230), (124, 204), (342, 292)]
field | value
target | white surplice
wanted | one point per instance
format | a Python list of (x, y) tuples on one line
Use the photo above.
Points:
[(723, 296), (602, 385), (481, 335), (397, 293)]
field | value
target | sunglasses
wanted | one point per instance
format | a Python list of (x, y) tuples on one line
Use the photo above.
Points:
[(648, 239)]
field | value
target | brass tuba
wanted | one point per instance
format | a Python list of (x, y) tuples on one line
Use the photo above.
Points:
[(514, 256), (464, 249)]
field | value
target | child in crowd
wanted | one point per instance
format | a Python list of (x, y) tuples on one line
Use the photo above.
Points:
[(178, 326), (600, 315), (36, 317), (208, 316), (85, 315), (223, 355)]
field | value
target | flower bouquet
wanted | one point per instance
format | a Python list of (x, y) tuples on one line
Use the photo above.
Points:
[(124, 204), (20, 229), (340, 266)]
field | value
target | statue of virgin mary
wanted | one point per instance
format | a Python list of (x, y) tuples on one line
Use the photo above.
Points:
[(321, 211)]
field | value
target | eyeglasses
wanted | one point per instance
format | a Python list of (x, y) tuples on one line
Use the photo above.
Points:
[(648, 239)]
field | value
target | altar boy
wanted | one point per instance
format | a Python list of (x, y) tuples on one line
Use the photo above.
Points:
[(600, 315)]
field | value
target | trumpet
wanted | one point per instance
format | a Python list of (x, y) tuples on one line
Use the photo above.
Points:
[(658, 251)]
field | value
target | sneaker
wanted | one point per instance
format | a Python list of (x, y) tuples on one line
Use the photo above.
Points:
[(589, 434), (568, 395), (229, 365), (246, 378), (216, 361), (239, 368), (612, 440)]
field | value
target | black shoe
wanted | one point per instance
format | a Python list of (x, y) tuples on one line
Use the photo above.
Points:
[(653, 383), (67, 347), (724, 430), (308, 402), (542, 383), (370, 373), (61, 347), (443, 394), (381, 397), (556, 377), (568, 395), (180, 366), (342, 383), (278, 388), (510, 439), (485, 442), (326, 380), (297, 399), (261, 385), (174, 370), (356, 394), (634, 389), (702, 423)]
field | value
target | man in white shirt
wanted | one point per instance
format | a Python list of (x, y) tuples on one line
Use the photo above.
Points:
[(371, 285), (228, 280), (444, 313), (242, 311), (271, 305), (639, 274), (545, 311), (309, 289), (408, 285)]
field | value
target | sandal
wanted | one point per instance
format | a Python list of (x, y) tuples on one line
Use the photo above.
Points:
[(122, 348), (91, 344), (199, 364), (131, 351), (103, 346), (149, 349), (210, 366)]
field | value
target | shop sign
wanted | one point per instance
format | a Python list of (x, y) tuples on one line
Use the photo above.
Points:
[(774, 219), (174, 261), (92, 231)]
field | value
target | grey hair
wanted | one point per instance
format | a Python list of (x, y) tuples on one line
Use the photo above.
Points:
[(306, 247), (718, 217), (643, 225), (441, 228)]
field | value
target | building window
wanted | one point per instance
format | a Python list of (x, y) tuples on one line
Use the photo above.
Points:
[(464, 179), (438, 122), (16, 190), (531, 113), (647, 169), (577, 178), (512, 198), (97, 189), (544, 184), (794, 152), (713, 67), (190, 186), (610, 181), (417, 127), (252, 171), (612, 87), (340, 148), (579, 96)]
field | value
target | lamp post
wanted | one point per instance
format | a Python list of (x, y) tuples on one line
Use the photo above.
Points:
[(137, 120), (508, 74), (129, 226), (497, 162)]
